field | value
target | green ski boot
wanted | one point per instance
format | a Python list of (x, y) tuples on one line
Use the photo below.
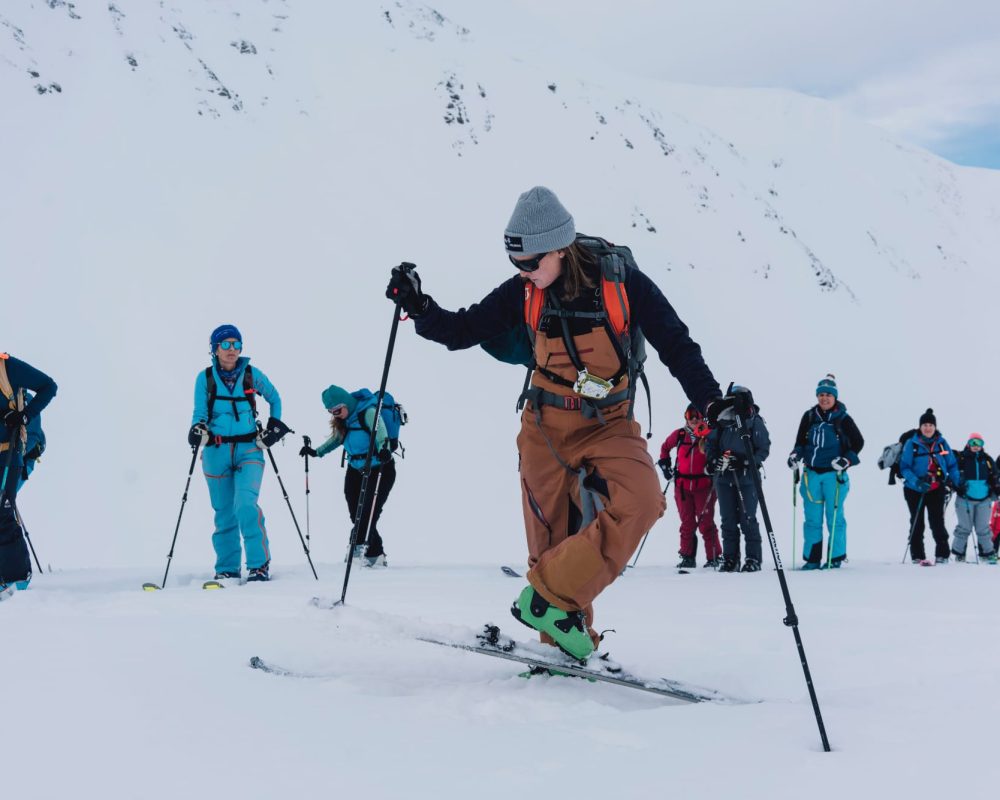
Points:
[(567, 628)]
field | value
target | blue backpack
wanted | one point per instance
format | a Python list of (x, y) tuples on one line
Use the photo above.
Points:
[(393, 417)]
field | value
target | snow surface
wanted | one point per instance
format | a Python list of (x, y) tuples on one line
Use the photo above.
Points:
[(171, 166)]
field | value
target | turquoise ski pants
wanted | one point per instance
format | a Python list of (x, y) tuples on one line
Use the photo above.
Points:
[(234, 471), (819, 493)]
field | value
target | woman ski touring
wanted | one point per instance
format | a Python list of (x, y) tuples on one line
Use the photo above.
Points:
[(976, 493), (930, 472), (225, 422), (827, 443), (18, 415), (694, 494), (578, 303), (352, 416)]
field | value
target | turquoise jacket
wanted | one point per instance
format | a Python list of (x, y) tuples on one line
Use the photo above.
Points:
[(231, 415), (358, 438)]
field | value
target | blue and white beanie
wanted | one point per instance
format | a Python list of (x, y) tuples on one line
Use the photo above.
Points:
[(827, 386), (222, 333)]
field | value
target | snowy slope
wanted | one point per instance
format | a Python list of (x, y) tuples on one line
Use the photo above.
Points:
[(172, 166)]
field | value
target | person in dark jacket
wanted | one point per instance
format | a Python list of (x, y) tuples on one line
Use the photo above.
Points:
[(579, 301), (694, 494), (930, 472), (17, 415), (977, 489), (827, 444), (730, 464)]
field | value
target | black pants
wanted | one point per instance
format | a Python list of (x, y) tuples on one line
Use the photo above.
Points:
[(933, 505), (15, 563), (738, 516), (383, 477)]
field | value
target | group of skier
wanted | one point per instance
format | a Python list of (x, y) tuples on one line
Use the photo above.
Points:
[(224, 425), (577, 312)]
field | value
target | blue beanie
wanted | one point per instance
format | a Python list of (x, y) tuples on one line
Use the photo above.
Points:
[(222, 333), (333, 396), (827, 386)]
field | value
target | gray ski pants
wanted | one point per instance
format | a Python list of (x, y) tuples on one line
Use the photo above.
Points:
[(973, 515)]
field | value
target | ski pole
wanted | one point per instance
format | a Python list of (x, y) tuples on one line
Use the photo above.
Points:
[(308, 443), (281, 483), (913, 525), (152, 587), (27, 537), (795, 510), (371, 451), (833, 530), (371, 514), (644, 538), (791, 620)]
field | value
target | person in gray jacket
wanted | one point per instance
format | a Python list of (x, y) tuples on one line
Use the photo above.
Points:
[(730, 464)]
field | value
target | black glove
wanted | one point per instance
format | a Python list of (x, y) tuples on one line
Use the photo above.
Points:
[(404, 286), (923, 486), (737, 462), (307, 451), (793, 459), (840, 463), (13, 418), (665, 468), (961, 490), (273, 432), (719, 464), (950, 485), (35, 452), (198, 434)]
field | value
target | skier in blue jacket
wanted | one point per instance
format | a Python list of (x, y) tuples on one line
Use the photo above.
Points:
[(930, 473), (352, 415), (17, 413), (827, 444), (233, 458)]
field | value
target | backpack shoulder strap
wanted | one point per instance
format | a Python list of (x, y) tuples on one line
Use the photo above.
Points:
[(211, 390), (249, 391)]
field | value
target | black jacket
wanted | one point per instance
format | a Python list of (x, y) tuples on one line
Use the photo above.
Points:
[(503, 309)]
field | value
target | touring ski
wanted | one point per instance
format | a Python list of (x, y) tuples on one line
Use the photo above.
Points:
[(510, 573), (492, 642)]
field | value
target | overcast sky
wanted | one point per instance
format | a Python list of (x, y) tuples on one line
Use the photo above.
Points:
[(926, 70)]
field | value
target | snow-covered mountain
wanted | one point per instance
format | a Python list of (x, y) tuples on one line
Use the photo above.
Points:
[(170, 166)]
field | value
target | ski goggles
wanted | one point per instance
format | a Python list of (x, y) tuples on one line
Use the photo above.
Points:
[(237, 345), (975, 442), (527, 264)]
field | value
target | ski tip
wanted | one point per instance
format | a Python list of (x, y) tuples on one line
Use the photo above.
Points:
[(509, 572), (150, 587), (212, 585)]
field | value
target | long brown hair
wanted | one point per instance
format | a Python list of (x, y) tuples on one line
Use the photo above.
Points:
[(576, 266), (338, 427)]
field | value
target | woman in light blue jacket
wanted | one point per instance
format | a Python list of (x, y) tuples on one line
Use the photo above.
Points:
[(225, 421)]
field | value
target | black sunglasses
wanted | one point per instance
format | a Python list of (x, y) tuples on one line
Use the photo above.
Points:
[(528, 264)]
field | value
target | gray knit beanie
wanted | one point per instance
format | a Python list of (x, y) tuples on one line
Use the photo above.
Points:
[(539, 224)]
